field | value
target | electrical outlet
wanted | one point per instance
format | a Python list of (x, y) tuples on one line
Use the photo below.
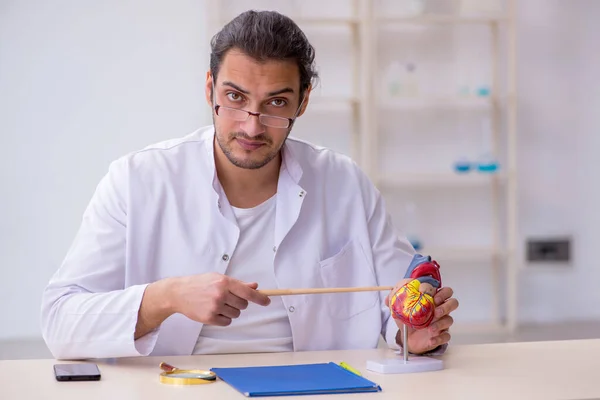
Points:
[(553, 250)]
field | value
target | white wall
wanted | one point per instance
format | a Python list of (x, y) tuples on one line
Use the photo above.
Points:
[(83, 82), (560, 135)]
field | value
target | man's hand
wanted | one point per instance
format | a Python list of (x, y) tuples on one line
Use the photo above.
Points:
[(215, 299), (436, 334), (210, 298)]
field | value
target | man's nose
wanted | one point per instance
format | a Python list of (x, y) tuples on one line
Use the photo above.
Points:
[(252, 126)]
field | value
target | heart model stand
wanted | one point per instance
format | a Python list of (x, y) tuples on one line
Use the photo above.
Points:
[(413, 304)]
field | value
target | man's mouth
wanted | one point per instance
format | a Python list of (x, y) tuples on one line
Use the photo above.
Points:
[(249, 145)]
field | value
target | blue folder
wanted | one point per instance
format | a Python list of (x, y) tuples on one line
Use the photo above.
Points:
[(289, 380)]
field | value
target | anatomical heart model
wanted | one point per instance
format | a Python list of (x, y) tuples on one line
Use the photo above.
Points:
[(412, 303)]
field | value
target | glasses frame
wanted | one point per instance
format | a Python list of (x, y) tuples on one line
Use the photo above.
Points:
[(290, 121)]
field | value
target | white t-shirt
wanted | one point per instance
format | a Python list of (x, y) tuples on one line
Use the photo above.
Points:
[(258, 328)]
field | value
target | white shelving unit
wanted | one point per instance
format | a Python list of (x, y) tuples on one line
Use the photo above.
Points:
[(500, 107), (351, 110)]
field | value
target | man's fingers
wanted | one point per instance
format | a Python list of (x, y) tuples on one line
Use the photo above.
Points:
[(439, 340), (229, 312), (245, 292), (236, 302), (446, 308), (442, 324), (443, 294), (219, 320)]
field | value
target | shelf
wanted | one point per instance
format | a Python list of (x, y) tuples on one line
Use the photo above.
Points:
[(326, 99), (316, 21), (442, 19), (319, 103), (436, 180), (327, 21), (461, 254), (415, 103)]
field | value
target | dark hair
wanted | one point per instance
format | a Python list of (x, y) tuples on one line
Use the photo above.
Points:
[(265, 35)]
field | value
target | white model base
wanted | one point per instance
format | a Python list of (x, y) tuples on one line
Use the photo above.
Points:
[(399, 366)]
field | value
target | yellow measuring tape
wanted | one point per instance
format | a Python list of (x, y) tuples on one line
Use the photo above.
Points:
[(176, 376)]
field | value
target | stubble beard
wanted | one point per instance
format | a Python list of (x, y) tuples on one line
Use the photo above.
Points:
[(248, 164)]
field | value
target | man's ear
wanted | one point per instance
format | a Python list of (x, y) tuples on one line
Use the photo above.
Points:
[(306, 99), (208, 88)]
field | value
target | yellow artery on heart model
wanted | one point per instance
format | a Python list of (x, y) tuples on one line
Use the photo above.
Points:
[(412, 307)]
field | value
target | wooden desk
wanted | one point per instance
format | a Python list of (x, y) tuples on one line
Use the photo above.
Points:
[(534, 370)]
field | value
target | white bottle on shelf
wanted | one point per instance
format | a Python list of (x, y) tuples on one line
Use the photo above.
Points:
[(463, 163), (487, 163), (471, 8), (392, 80), (463, 87), (411, 80), (416, 7), (410, 8)]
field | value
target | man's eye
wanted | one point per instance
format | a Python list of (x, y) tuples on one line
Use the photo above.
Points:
[(278, 102), (234, 96)]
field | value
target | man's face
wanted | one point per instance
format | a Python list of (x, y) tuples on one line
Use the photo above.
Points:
[(269, 88)]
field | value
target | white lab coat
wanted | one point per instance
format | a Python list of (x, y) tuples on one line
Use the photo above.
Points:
[(161, 212)]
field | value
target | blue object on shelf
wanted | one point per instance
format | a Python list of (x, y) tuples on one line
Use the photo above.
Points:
[(483, 91), (462, 166), (488, 167)]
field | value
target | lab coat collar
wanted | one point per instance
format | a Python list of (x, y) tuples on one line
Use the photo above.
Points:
[(208, 137), (290, 162)]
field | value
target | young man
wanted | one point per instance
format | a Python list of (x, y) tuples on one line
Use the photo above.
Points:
[(178, 236)]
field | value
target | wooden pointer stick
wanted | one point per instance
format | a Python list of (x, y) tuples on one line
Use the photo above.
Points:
[(286, 292)]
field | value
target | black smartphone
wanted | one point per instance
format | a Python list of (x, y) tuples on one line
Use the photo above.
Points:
[(76, 372)]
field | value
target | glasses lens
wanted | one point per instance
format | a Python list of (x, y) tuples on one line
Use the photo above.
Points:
[(232, 113), (275, 122)]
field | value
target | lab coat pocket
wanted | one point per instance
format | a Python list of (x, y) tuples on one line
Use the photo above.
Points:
[(348, 268)]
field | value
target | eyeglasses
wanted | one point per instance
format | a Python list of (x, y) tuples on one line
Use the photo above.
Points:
[(240, 115), (237, 114)]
